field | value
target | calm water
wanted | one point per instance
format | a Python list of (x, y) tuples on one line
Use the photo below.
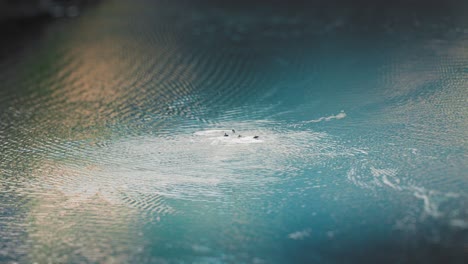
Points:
[(112, 146)]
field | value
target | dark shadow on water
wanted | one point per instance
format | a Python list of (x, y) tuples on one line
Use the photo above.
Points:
[(401, 249), (18, 34)]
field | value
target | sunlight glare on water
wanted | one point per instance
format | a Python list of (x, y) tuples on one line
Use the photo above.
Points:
[(112, 134)]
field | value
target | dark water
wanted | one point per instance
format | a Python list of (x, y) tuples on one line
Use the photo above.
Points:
[(112, 146)]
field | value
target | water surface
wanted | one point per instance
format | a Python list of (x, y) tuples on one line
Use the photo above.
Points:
[(112, 146)]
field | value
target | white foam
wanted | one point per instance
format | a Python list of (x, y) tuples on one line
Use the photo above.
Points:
[(429, 208), (459, 223), (389, 183), (300, 235), (385, 175), (201, 249), (213, 132), (340, 115)]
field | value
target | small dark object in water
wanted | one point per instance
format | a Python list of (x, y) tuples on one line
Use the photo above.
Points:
[(226, 135), (239, 136), (233, 131), (256, 137)]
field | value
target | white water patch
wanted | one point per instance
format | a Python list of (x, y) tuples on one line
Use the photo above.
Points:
[(215, 137), (197, 165), (385, 175), (365, 175), (433, 203), (338, 116), (300, 235), (459, 223), (430, 208)]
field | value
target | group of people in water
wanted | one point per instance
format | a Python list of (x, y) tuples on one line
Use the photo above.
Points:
[(239, 136)]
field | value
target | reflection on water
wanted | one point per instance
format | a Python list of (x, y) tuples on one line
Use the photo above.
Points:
[(113, 149)]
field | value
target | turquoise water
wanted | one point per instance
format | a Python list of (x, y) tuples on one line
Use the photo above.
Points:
[(112, 124)]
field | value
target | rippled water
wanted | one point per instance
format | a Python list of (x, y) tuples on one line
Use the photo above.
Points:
[(112, 146)]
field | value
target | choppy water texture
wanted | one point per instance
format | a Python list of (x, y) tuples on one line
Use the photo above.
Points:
[(113, 149)]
